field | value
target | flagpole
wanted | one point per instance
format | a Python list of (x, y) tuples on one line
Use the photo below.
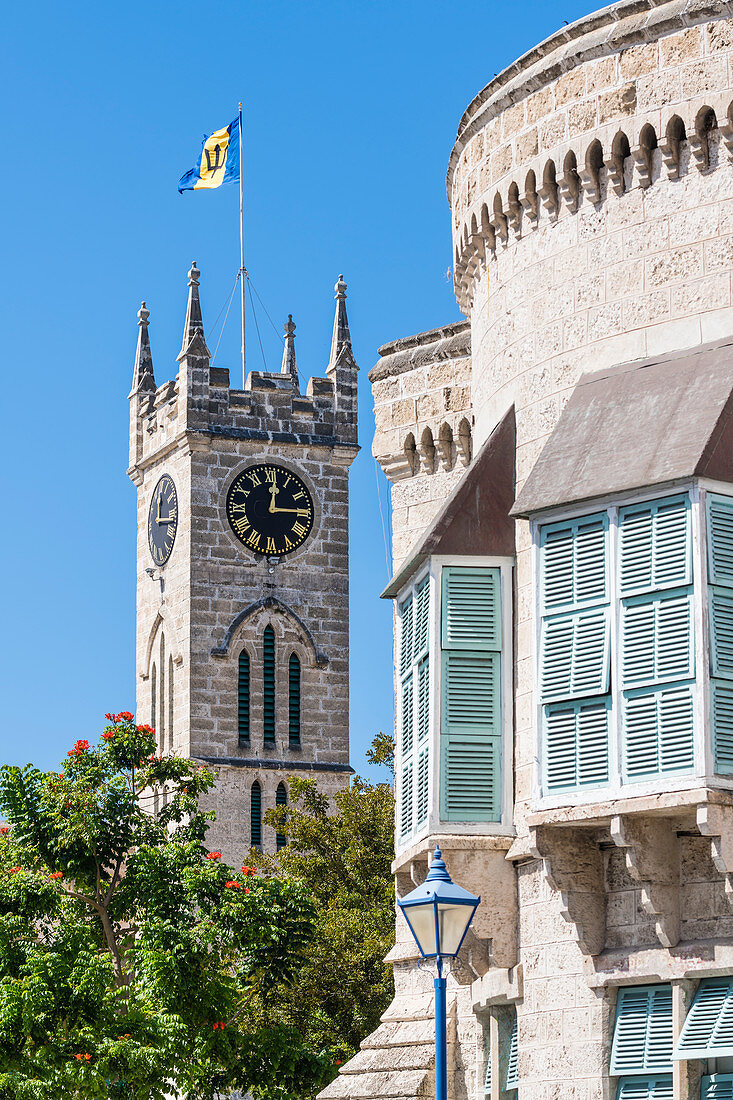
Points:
[(241, 244)]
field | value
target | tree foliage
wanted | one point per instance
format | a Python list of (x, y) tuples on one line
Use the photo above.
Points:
[(343, 859), (132, 958)]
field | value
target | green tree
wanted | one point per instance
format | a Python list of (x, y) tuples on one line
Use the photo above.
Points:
[(133, 963), (343, 859)]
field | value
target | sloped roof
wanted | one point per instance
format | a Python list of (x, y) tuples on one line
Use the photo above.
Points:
[(654, 422), (475, 518)]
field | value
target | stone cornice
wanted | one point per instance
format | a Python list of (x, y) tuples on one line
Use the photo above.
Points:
[(599, 34)]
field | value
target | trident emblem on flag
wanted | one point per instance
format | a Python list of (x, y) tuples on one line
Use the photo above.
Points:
[(213, 166)]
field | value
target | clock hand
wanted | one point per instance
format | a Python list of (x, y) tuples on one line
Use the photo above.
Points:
[(273, 490), (165, 519), (295, 511)]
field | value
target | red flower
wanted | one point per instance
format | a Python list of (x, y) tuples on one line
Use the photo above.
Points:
[(4, 830), (57, 874), (338, 1061), (125, 716), (81, 746), (213, 855), (13, 870), (246, 889), (145, 729), (248, 870), (233, 885), (108, 735), (215, 1026), (78, 1057), (110, 717)]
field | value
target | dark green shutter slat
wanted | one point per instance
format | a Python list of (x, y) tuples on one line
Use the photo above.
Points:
[(408, 717), (423, 699), (255, 815), (422, 617), (243, 687), (471, 610), (720, 540), (268, 693), (708, 1028), (281, 799), (643, 1034), (294, 700), (406, 793)]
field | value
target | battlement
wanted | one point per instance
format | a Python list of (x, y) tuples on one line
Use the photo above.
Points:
[(200, 403)]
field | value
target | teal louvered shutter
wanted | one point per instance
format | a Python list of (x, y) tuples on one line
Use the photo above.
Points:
[(423, 777), (422, 618), (576, 744), (487, 1072), (643, 1034), (718, 1086), (645, 1088), (471, 611), (406, 634), (294, 700), (408, 717), (658, 728), (654, 545), (723, 726), (281, 799), (720, 541), (656, 639), (423, 699), (708, 1028), (470, 722), (575, 658), (405, 802), (720, 604), (512, 1067)]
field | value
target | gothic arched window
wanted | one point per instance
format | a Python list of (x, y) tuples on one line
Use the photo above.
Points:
[(153, 696), (294, 700), (255, 815), (268, 688), (281, 799), (243, 697), (161, 708), (170, 703)]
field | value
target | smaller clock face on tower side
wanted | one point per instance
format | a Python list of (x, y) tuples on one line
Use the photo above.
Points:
[(162, 520), (269, 509)]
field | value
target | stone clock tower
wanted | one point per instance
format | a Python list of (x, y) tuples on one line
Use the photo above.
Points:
[(242, 570)]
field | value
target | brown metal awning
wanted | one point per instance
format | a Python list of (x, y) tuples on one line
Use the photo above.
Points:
[(658, 421)]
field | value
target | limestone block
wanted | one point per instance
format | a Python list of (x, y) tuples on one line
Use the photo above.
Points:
[(572, 865), (653, 860)]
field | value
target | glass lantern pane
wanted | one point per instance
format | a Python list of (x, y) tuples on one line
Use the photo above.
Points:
[(453, 921), (422, 921)]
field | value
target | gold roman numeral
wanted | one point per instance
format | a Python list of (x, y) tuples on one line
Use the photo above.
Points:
[(298, 495), (253, 478), (242, 525), (270, 474), (271, 548), (239, 507), (288, 544), (298, 529), (254, 540)]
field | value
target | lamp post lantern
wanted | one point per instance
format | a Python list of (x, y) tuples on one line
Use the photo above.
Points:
[(439, 913)]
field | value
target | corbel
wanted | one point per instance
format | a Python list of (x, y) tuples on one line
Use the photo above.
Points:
[(716, 822), (651, 850), (642, 157), (572, 863)]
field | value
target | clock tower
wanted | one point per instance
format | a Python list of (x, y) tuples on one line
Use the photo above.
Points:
[(242, 647)]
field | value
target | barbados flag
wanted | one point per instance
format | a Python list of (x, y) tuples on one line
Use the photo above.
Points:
[(218, 163)]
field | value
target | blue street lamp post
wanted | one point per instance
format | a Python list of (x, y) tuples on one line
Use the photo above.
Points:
[(439, 913)]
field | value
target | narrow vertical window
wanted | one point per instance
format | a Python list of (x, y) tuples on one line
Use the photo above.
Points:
[(255, 815), (414, 717), (170, 704), (720, 615), (268, 691), (161, 708), (243, 698), (294, 701), (153, 697), (281, 799)]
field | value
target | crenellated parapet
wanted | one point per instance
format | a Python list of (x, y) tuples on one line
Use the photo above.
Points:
[(200, 403)]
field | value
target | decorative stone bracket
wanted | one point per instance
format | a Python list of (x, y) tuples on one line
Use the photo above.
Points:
[(653, 860), (716, 822), (572, 862)]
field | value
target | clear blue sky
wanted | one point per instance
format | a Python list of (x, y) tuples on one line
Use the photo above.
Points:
[(350, 113)]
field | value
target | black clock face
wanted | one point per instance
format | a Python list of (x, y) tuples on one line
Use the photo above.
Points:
[(162, 520), (269, 509)]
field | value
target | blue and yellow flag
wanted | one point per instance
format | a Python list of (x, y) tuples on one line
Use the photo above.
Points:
[(218, 163)]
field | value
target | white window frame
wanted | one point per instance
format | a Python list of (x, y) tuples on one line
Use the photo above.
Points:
[(703, 768), (434, 824)]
